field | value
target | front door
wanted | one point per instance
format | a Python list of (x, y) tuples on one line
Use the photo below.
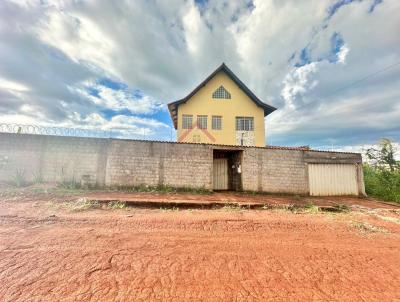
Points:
[(220, 174)]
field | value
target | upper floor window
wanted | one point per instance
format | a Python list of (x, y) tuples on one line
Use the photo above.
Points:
[(216, 122), (202, 121), (187, 121), (244, 123), (221, 93)]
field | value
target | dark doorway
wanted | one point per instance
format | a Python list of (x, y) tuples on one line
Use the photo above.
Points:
[(227, 170)]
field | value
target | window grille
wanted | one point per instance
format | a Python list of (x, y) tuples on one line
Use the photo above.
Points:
[(221, 93), (187, 121), (202, 121), (244, 124), (217, 122)]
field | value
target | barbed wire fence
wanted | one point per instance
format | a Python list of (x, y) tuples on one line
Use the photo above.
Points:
[(75, 132), (58, 131), (124, 134)]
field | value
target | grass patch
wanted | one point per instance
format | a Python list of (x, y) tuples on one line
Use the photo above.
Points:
[(169, 209), (234, 207), (83, 204), (116, 205), (341, 208), (311, 208), (366, 228), (38, 178), (161, 189), (18, 179), (69, 185), (389, 219), (80, 205)]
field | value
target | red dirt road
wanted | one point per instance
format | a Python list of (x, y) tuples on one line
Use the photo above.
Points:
[(200, 255)]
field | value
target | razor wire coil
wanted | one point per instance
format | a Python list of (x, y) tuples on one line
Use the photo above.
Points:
[(57, 131)]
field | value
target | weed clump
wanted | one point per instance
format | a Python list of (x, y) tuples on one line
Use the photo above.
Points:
[(83, 204), (19, 179), (234, 207), (169, 209), (311, 208), (366, 228), (116, 205)]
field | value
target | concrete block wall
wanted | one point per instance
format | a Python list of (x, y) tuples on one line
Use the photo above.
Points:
[(274, 170), (20, 154), (51, 158), (110, 162), (116, 162), (155, 163)]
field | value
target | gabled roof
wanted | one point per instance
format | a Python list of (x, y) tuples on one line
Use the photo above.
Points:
[(173, 107)]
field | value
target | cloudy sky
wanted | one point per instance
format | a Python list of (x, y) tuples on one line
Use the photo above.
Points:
[(332, 68)]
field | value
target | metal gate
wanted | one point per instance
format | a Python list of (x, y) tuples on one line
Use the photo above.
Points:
[(220, 174), (332, 179)]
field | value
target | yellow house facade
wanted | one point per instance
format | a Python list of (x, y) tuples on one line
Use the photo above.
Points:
[(221, 110)]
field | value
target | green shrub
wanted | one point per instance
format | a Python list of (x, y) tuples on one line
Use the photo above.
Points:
[(382, 183)]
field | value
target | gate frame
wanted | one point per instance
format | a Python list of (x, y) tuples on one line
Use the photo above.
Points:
[(235, 158)]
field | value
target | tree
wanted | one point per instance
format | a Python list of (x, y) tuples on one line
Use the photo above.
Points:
[(383, 157)]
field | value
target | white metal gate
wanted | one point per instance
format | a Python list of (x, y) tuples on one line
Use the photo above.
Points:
[(220, 174), (332, 179)]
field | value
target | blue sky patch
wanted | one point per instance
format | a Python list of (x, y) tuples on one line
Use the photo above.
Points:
[(337, 5), (337, 43), (201, 4), (304, 58), (373, 5), (112, 84), (109, 113), (93, 91)]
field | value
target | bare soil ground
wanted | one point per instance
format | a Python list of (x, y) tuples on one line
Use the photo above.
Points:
[(49, 251)]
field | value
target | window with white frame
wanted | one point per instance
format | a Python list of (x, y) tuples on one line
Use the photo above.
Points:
[(216, 122), (221, 93), (244, 123), (202, 121), (187, 121)]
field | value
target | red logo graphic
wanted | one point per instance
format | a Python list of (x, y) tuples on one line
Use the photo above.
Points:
[(194, 126)]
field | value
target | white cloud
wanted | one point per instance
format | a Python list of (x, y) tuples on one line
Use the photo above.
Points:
[(121, 99), (344, 50), (53, 52), (12, 85), (298, 82)]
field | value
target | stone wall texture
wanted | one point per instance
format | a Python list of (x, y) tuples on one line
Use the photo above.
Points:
[(117, 162)]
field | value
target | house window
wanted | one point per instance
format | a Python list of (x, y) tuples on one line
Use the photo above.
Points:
[(202, 121), (187, 121), (216, 122), (221, 93), (244, 124)]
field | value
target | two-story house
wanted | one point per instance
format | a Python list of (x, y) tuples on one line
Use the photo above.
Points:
[(221, 110)]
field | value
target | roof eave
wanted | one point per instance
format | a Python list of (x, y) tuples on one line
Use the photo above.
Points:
[(268, 109)]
